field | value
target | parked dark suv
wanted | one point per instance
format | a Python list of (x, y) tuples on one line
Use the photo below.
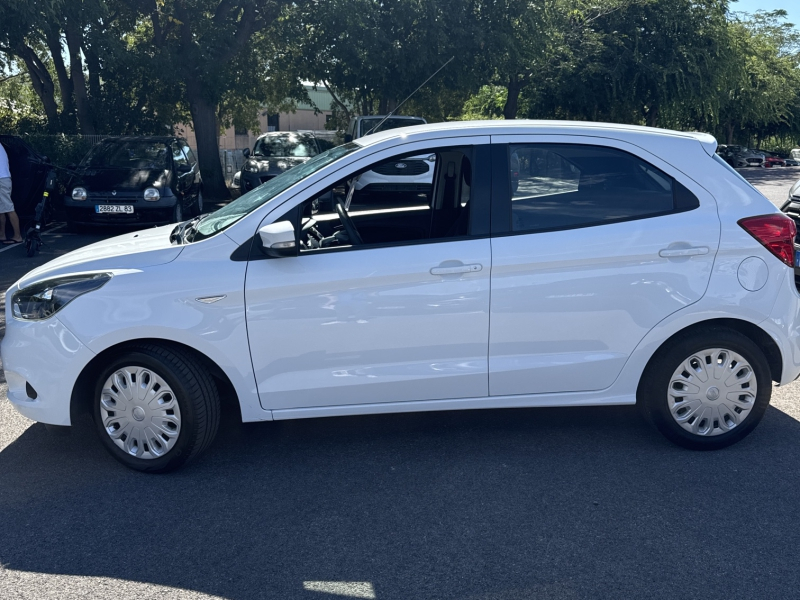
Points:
[(135, 181), (276, 152)]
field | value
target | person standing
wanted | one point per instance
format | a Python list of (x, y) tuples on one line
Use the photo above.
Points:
[(6, 206)]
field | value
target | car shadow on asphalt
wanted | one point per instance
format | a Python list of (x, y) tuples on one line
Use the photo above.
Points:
[(526, 503)]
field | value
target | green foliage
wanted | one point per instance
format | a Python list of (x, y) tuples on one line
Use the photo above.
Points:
[(488, 103), (145, 66)]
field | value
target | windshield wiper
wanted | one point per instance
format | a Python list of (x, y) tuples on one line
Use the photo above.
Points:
[(190, 230), (181, 230)]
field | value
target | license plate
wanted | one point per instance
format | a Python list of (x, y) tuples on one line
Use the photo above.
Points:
[(126, 209)]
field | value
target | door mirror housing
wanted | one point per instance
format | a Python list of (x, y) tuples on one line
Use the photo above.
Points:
[(246, 152), (348, 138), (278, 239)]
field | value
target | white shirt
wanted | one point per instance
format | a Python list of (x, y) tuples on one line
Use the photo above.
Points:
[(4, 172)]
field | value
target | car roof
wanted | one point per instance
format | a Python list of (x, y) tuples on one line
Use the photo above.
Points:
[(510, 127), (276, 133)]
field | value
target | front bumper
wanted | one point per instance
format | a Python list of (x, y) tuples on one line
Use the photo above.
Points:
[(42, 358), (160, 212), (250, 181)]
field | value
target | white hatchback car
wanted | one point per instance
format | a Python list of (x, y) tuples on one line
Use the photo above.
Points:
[(625, 265)]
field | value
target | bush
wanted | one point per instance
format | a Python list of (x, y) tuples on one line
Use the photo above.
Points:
[(61, 149)]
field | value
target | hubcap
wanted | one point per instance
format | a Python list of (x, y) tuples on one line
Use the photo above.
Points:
[(140, 412), (712, 392)]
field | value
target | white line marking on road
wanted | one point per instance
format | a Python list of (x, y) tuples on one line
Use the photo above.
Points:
[(10, 246)]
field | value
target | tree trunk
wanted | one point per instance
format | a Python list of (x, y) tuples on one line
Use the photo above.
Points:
[(652, 115), (729, 132), (93, 66), (512, 101), (206, 130), (42, 85), (78, 82), (53, 36)]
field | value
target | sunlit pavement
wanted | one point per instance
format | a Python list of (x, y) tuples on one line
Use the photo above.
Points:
[(505, 504)]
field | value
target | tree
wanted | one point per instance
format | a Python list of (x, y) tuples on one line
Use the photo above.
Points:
[(370, 54), (202, 49)]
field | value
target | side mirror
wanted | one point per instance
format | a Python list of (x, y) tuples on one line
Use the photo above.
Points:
[(348, 138), (184, 169), (246, 152), (277, 239)]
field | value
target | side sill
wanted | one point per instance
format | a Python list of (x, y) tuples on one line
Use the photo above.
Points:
[(528, 401)]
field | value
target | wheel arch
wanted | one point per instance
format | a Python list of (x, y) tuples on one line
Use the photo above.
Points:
[(752, 331), (81, 398)]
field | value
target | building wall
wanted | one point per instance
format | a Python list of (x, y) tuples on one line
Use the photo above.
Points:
[(229, 140)]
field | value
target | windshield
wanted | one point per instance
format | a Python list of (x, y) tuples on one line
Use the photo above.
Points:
[(390, 123), (228, 215), (286, 144), (128, 155)]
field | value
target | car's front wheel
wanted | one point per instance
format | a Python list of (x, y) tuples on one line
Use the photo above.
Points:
[(706, 391), (155, 408)]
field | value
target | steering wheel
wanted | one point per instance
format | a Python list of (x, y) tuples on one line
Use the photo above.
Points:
[(349, 226)]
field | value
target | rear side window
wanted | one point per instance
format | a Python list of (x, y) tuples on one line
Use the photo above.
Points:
[(564, 186)]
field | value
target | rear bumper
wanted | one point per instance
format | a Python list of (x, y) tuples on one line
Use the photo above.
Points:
[(783, 325)]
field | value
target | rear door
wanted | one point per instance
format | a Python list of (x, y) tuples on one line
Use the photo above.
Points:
[(592, 246)]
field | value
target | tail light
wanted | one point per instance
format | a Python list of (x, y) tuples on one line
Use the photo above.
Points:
[(775, 232)]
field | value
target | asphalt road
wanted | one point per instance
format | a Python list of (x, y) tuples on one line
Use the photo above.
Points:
[(502, 504)]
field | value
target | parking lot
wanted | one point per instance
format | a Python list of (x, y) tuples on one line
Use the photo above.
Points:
[(496, 504)]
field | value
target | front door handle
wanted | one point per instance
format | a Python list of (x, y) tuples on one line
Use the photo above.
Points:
[(678, 252), (473, 268)]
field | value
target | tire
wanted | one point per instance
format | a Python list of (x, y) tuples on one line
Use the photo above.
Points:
[(688, 399), (176, 424), (177, 212)]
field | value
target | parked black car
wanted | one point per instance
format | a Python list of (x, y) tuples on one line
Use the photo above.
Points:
[(276, 152), (28, 172), (135, 181)]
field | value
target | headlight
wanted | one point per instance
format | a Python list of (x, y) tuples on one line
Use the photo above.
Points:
[(79, 194), (151, 194), (253, 166), (44, 299)]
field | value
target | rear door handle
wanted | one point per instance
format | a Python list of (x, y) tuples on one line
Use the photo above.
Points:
[(474, 268), (677, 252)]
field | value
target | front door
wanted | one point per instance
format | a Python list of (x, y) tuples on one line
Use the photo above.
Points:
[(593, 247), (387, 299)]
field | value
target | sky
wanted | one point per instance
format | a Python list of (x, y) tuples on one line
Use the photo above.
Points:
[(790, 6)]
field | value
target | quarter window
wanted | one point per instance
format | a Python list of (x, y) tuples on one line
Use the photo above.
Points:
[(563, 186)]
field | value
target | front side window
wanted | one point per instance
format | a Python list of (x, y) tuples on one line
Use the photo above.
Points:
[(188, 151), (408, 199), (561, 186), (244, 205), (178, 157)]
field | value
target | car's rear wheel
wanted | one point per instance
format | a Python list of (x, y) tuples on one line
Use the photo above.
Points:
[(155, 408), (706, 391)]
